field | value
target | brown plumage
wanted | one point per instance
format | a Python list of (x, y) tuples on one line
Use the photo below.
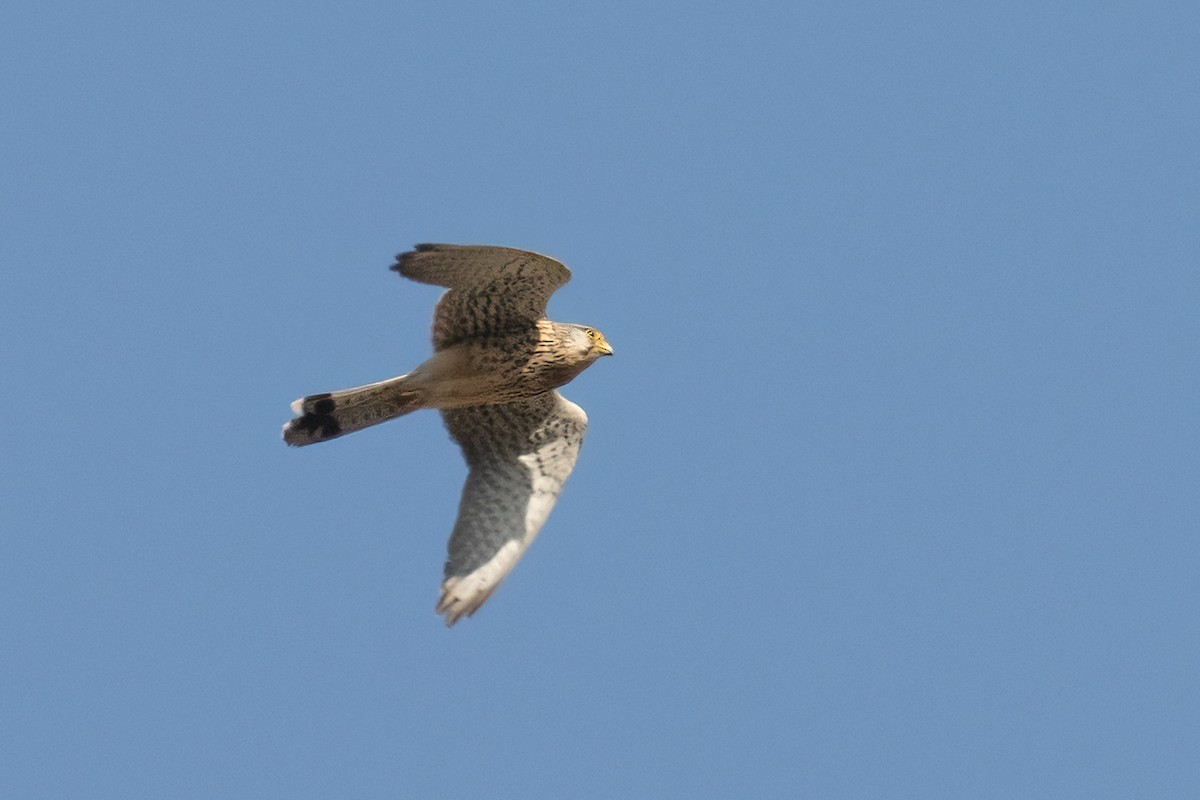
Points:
[(496, 364)]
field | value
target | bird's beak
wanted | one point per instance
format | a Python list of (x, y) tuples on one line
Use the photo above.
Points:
[(603, 346)]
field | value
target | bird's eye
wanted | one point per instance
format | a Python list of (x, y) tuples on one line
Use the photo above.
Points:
[(593, 334)]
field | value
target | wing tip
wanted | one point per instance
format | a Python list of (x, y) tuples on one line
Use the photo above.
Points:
[(403, 260), (444, 247), (454, 604), (463, 595)]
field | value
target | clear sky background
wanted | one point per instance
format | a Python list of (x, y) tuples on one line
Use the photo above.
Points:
[(891, 489)]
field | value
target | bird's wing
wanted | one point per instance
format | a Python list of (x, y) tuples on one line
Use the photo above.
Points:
[(519, 454), (493, 290)]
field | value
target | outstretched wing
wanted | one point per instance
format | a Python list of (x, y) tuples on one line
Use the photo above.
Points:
[(519, 454), (493, 290)]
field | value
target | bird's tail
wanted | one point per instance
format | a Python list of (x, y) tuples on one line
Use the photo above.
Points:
[(327, 416)]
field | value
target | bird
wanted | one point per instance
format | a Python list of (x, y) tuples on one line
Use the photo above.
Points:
[(497, 364)]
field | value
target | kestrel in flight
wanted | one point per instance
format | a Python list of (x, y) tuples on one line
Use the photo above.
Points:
[(496, 364)]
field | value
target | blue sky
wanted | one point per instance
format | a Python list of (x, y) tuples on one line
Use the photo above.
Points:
[(890, 491)]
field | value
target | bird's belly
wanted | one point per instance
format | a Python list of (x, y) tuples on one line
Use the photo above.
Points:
[(468, 376)]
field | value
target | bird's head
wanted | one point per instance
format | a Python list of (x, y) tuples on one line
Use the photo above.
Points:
[(591, 342)]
